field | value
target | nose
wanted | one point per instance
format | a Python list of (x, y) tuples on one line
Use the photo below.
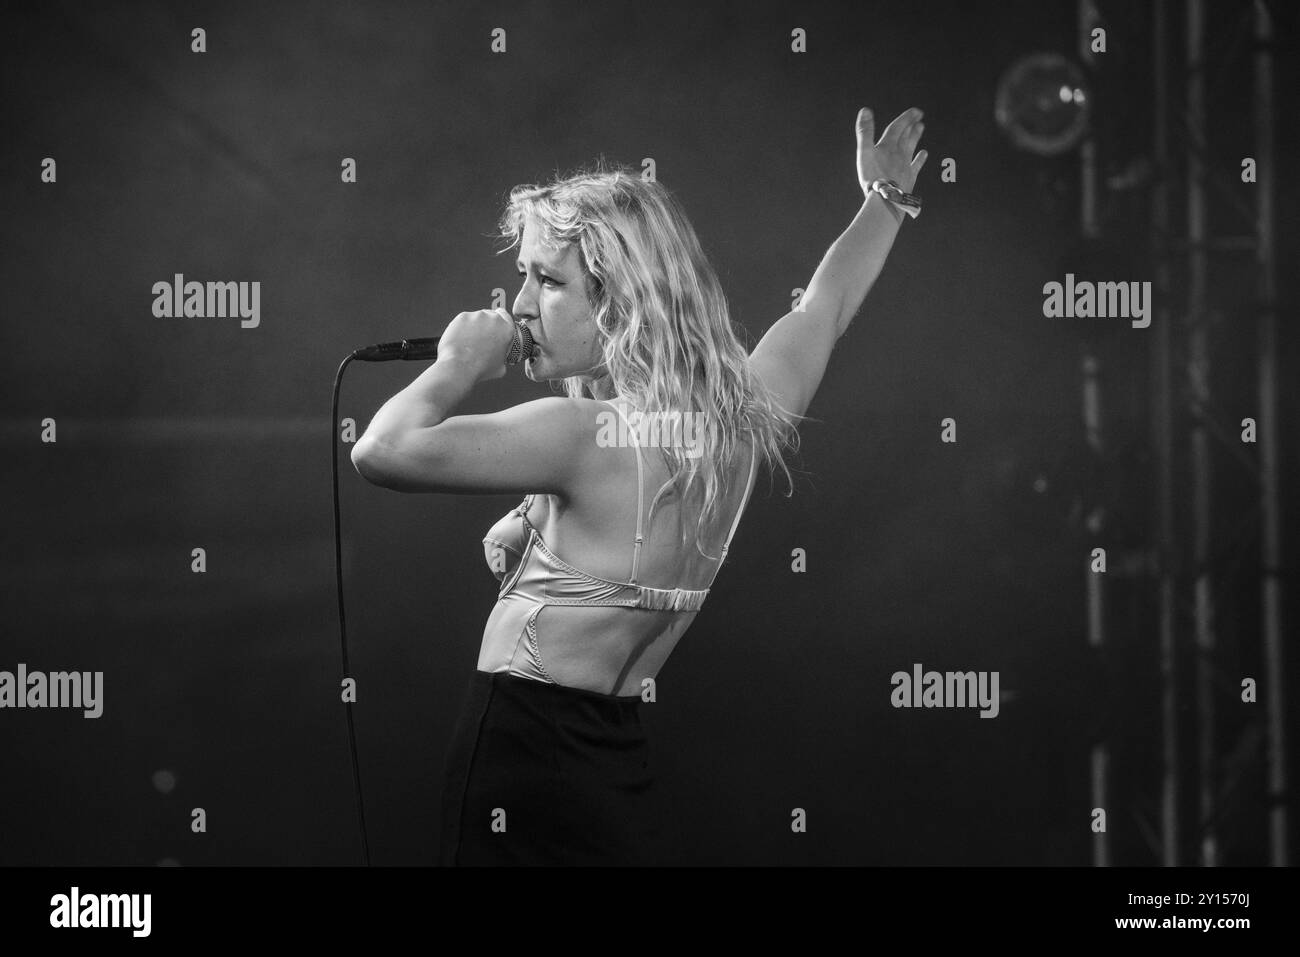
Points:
[(524, 306)]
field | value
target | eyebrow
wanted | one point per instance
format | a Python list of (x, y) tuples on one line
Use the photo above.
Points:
[(519, 264)]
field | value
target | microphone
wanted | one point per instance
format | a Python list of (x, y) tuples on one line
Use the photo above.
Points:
[(521, 348)]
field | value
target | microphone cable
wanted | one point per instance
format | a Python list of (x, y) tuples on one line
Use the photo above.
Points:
[(520, 349), (338, 579)]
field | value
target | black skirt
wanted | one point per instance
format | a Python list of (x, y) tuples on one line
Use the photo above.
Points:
[(544, 774)]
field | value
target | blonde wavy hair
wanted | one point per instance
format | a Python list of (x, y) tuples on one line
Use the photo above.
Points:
[(665, 330)]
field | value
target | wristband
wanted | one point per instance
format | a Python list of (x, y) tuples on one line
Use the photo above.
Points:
[(893, 193)]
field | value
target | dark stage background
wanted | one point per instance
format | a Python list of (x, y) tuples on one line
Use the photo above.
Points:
[(221, 690)]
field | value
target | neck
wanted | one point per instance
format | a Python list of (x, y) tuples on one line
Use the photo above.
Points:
[(600, 386)]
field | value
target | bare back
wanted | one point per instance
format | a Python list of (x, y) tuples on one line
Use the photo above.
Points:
[(580, 605)]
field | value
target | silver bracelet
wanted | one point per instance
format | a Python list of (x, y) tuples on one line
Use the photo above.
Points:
[(893, 193)]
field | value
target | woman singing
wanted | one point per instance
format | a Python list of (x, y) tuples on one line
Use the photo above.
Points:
[(634, 484)]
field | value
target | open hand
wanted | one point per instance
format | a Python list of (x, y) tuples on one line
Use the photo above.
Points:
[(891, 158)]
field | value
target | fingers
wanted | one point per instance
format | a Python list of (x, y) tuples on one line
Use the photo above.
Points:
[(866, 127), (912, 137), (917, 163), (900, 127)]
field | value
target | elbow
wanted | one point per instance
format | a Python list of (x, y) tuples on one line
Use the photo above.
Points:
[(400, 465), (367, 459)]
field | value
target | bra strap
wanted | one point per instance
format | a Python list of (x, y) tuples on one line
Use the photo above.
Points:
[(640, 491), (522, 510)]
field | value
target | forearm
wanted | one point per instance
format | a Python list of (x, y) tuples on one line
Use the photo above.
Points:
[(854, 261), (425, 402)]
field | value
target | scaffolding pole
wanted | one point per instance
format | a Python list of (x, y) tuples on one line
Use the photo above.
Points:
[(1162, 428), (1094, 584), (1270, 513), (1198, 372)]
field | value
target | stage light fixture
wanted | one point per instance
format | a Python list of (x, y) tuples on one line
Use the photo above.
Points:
[(1043, 104)]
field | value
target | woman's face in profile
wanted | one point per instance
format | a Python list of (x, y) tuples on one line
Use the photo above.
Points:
[(554, 302)]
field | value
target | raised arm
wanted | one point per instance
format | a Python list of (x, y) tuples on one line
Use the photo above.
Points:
[(791, 358)]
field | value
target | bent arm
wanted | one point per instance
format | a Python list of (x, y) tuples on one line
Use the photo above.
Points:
[(424, 403), (791, 358), (413, 444)]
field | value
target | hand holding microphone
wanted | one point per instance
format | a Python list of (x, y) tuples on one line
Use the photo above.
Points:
[(486, 340)]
